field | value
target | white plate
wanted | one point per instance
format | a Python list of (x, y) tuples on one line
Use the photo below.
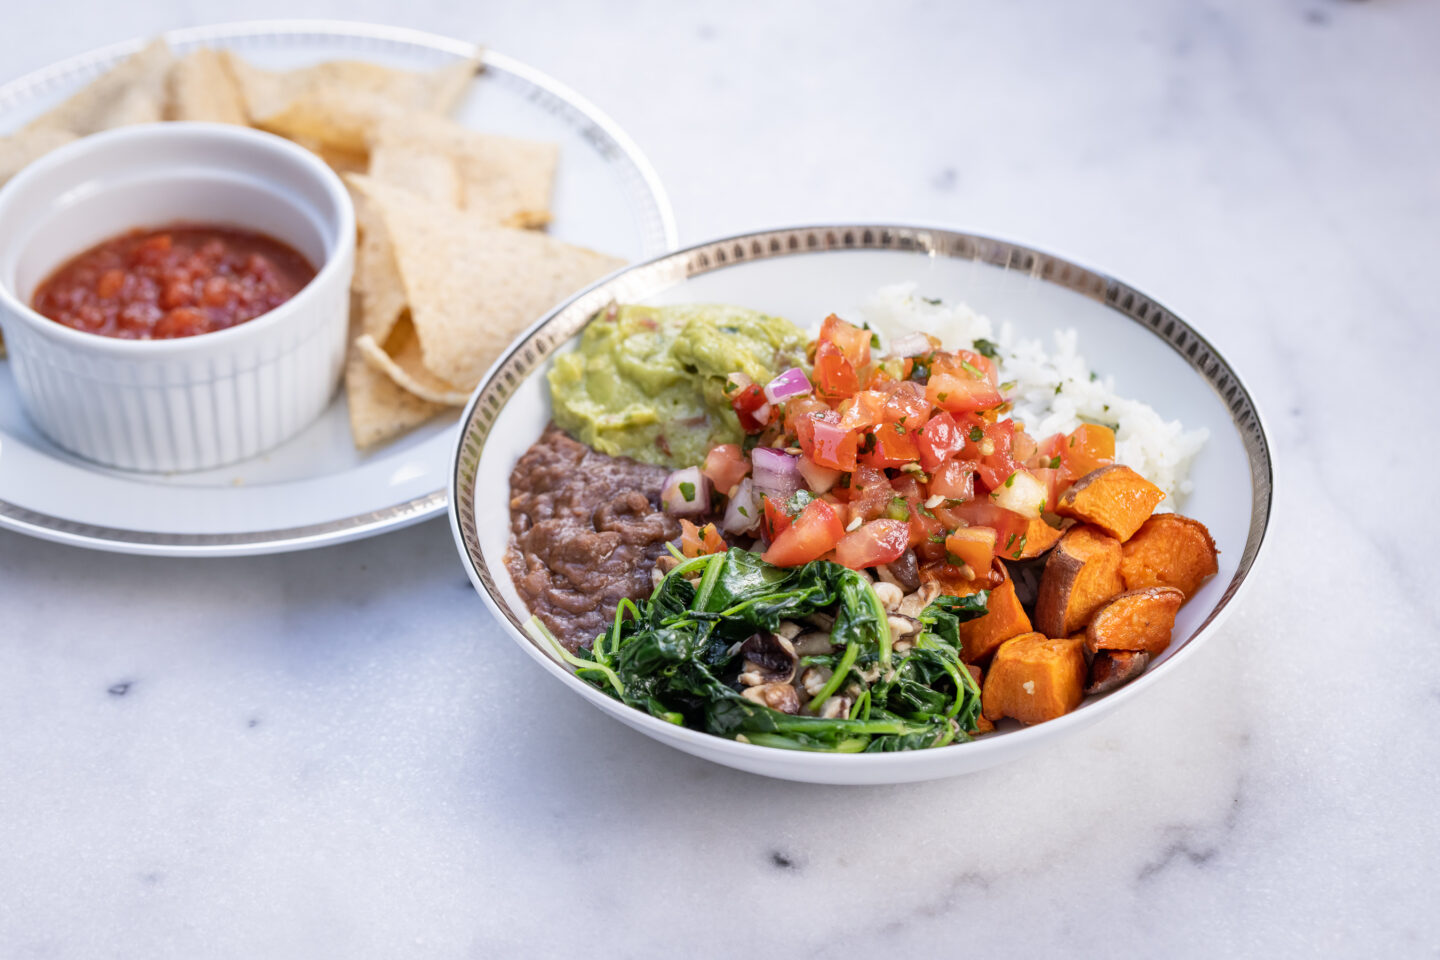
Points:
[(806, 273), (317, 489)]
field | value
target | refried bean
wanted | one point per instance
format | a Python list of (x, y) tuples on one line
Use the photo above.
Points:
[(586, 530)]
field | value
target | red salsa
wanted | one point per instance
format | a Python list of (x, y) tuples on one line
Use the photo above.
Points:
[(176, 281)]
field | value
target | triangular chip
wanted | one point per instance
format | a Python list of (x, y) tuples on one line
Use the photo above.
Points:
[(501, 179), (379, 409), (133, 92), (19, 149), (471, 286), (377, 280), (336, 104), (202, 89), (399, 359)]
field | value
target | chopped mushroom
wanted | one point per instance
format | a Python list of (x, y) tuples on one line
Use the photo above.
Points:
[(835, 707), (813, 644), (890, 595), (776, 696), (905, 571), (813, 680), (769, 658)]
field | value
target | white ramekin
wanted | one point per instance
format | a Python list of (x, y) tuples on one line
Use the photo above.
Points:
[(192, 402)]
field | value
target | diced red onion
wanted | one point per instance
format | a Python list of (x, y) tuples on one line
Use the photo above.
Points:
[(776, 473), (910, 345), (789, 384), (673, 499), (743, 511), (819, 479), (762, 413), (736, 382)]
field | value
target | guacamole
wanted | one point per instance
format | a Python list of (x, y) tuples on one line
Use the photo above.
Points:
[(649, 382)]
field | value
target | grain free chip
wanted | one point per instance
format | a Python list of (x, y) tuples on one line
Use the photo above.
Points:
[(336, 104), (504, 180), (19, 149), (380, 409), (133, 92), (202, 89), (400, 360), (471, 286), (377, 281)]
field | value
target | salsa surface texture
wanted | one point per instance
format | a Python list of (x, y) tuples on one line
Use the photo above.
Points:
[(176, 281)]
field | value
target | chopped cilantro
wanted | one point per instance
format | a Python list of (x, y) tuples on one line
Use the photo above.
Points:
[(1054, 462), (875, 341), (937, 537), (976, 434), (687, 490), (954, 559), (925, 510), (934, 303), (1010, 541), (1094, 376), (942, 397), (1007, 386), (986, 349), (1020, 549), (744, 512), (1057, 388), (898, 509), (1010, 480), (973, 370)]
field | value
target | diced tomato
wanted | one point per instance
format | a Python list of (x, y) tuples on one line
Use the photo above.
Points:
[(870, 492), (695, 542), (982, 363), (746, 404), (803, 406), (894, 446), (906, 405), (835, 377), (961, 394), (1023, 447), (776, 520), (940, 440), (726, 465), (887, 373), (809, 537), (1009, 527), (863, 410), (999, 462), (1050, 480), (853, 341), (873, 543), (954, 480), (830, 445), (974, 546), (925, 525)]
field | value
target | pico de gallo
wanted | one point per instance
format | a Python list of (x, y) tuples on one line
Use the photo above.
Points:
[(869, 455)]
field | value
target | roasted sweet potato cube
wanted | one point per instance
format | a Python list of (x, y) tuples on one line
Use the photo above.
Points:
[(1169, 551), (1034, 678), (1136, 620), (1039, 537), (1115, 498), (1081, 573), (1114, 668), (1005, 619)]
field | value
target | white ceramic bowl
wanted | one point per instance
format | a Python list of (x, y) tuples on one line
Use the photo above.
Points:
[(191, 402), (806, 273)]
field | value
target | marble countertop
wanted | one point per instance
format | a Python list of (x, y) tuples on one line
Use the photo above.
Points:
[(338, 754)]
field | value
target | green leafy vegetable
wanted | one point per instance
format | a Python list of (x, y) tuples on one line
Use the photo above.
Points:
[(677, 656), (986, 349)]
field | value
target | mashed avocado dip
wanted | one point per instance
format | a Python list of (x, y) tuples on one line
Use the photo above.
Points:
[(649, 382)]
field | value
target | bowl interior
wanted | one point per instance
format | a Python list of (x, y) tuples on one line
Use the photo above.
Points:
[(1184, 381), (167, 174)]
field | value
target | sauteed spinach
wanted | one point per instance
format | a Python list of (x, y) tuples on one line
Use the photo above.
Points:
[(677, 654)]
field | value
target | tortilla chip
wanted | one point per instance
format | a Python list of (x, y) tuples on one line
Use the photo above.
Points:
[(379, 409), (400, 360), (133, 92), (18, 150), (202, 88), (473, 286), (501, 179), (338, 102), (377, 280)]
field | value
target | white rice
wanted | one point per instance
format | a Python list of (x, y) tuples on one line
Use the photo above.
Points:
[(1158, 449)]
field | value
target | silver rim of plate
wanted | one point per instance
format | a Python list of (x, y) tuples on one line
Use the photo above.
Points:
[(640, 182), (536, 346)]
